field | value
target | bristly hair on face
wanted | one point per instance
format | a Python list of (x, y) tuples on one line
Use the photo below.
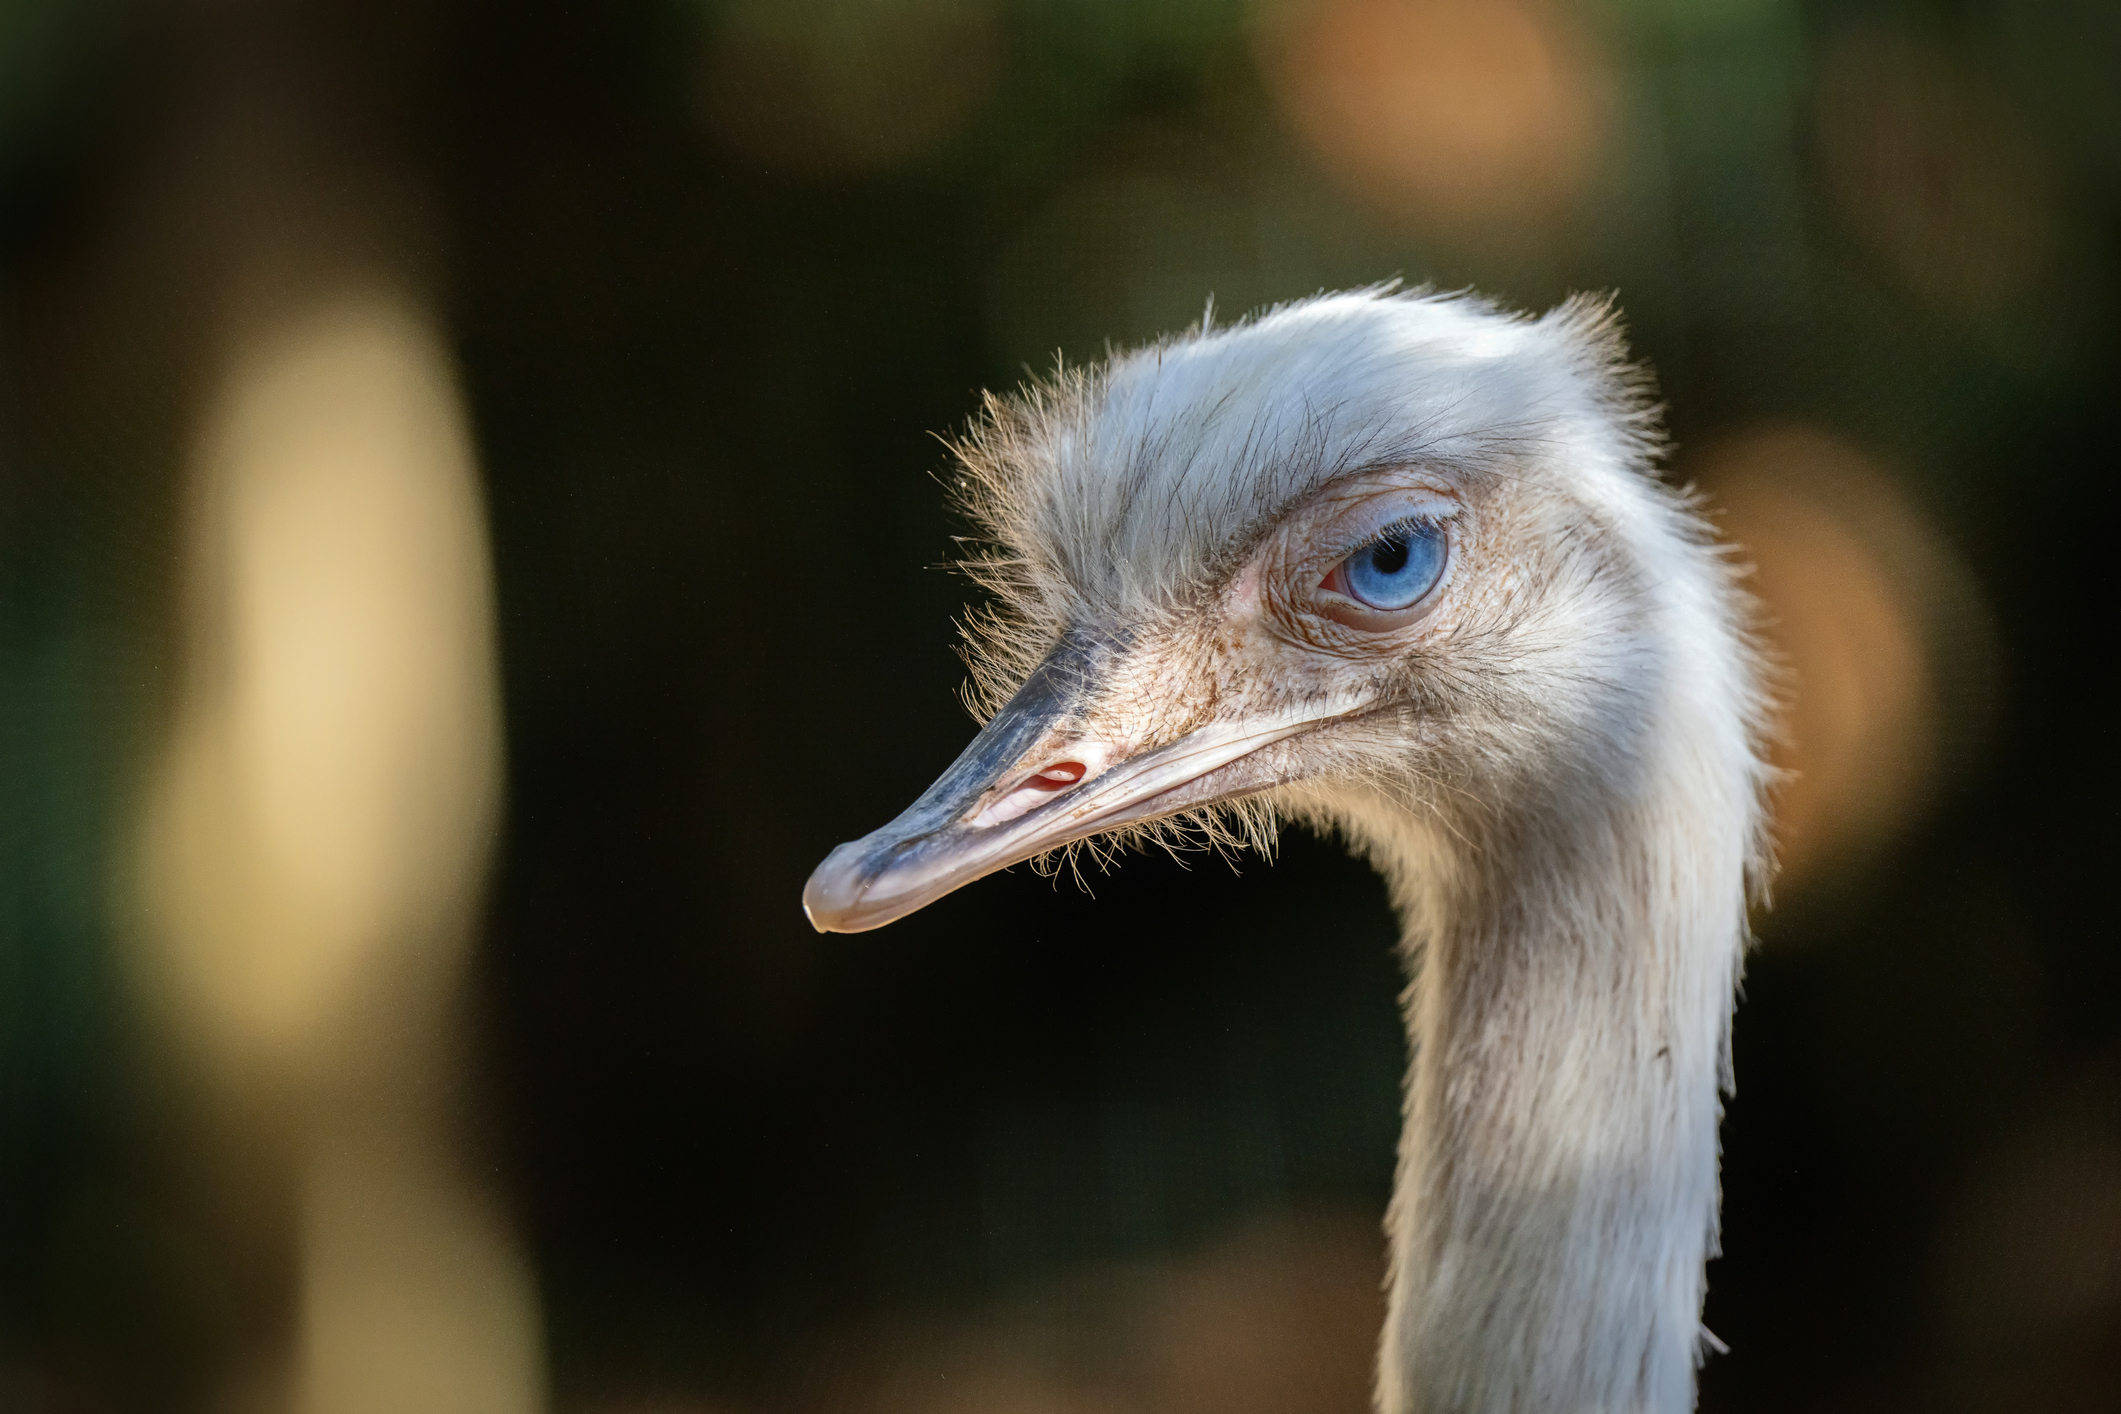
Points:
[(1124, 492)]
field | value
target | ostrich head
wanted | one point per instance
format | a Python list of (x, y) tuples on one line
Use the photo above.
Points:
[(1396, 564), (1370, 553)]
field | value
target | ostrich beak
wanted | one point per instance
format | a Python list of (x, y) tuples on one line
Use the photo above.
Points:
[(1032, 780)]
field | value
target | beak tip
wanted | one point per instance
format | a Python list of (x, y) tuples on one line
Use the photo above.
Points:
[(816, 911), (835, 888)]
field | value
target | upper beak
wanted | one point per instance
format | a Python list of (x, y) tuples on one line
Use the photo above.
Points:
[(991, 809)]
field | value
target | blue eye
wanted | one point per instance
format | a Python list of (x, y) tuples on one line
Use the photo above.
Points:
[(1398, 567)]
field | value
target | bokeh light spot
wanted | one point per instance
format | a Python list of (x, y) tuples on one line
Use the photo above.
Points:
[(1857, 588), (1441, 112)]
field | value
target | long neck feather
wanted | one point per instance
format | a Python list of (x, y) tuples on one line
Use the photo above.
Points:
[(1574, 958)]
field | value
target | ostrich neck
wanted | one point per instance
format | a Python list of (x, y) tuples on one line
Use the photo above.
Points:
[(1573, 966)]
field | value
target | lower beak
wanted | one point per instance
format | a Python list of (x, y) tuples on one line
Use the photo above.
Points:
[(994, 807)]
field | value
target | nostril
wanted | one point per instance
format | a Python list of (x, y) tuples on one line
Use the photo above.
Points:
[(1058, 776)]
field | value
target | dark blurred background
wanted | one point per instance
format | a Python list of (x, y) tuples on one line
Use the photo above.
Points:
[(470, 541)]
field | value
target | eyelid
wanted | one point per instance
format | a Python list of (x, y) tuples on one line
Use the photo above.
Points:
[(1378, 513)]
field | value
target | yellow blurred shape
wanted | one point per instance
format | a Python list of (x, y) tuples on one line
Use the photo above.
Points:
[(413, 1294), (1442, 112), (822, 87), (1933, 170), (326, 805), (316, 837), (1856, 585)]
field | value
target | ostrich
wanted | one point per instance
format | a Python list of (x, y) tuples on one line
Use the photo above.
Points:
[(1397, 565)]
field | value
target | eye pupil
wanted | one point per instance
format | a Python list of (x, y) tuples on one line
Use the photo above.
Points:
[(1389, 555), (1396, 569)]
